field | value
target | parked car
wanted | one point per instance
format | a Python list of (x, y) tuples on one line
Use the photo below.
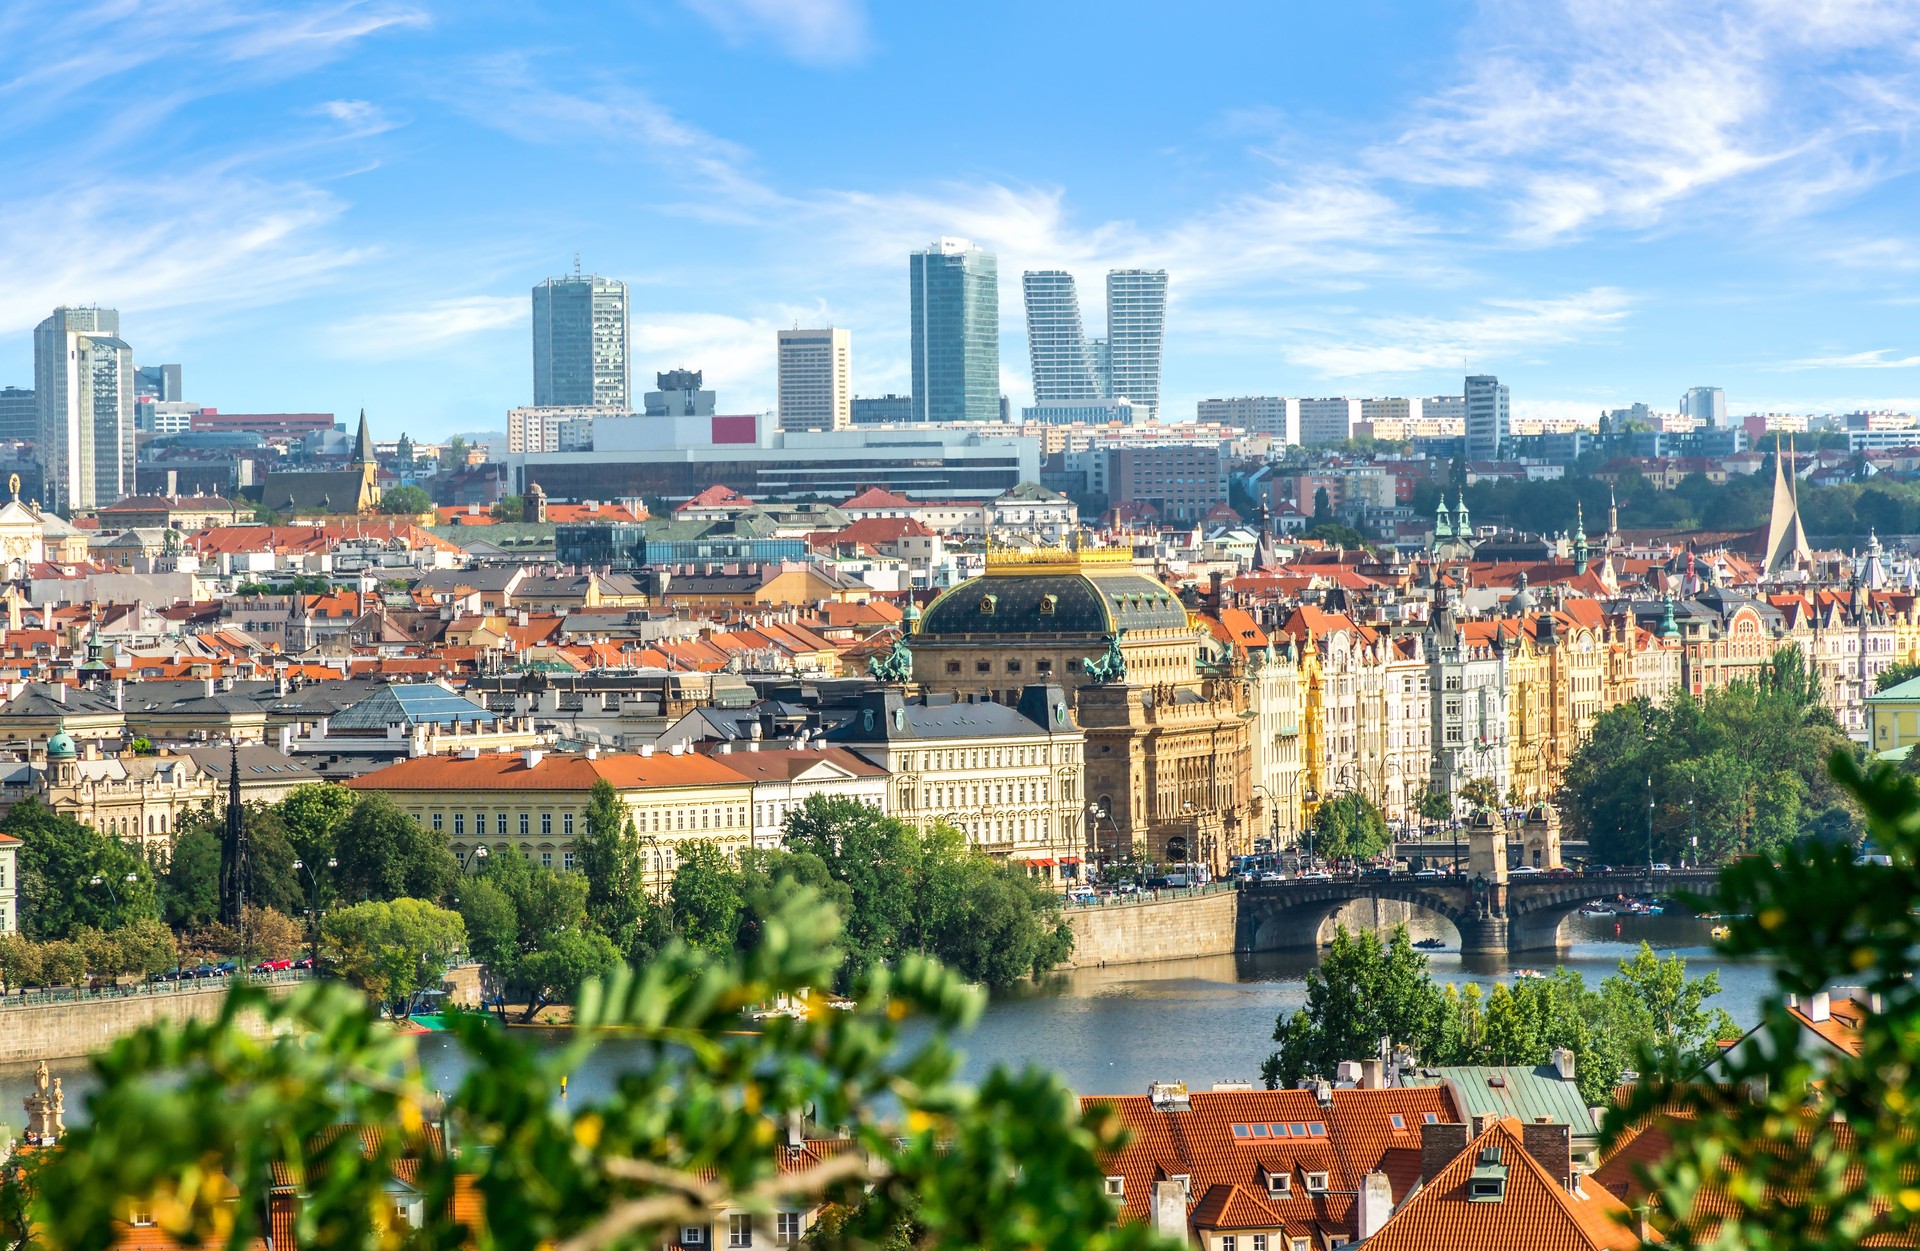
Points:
[(1431, 873), (304, 962), (1662, 867), (272, 966), (1523, 868), (1316, 875)]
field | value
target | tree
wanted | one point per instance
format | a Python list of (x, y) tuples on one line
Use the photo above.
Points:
[(454, 454), (1896, 673), (1435, 805), (1832, 1128), (607, 854), (1675, 1003), (190, 889), (990, 921), (1010, 1164), (1322, 510), (385, 854), (1363, 990), (706, 898), (509, 508), (562, 965), (406, 500), (312, 815), (1480, 793), (876, 857), (1349, 827), (59, 860), (390, 949)]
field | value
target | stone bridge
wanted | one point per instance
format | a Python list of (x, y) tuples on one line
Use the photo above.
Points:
[(1520, 914)]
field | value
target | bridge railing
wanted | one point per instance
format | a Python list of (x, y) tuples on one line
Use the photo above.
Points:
[(1151, 896), (135, 990)]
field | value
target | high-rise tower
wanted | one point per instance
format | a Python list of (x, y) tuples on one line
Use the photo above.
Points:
[(1056, 344), (1487, 418), (1136, 325), (580, 342), (955, 292), (83, 391), (816, 379)]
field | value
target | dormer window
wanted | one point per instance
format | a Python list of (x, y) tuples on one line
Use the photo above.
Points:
[(1117, 1187), (1316, 1183), (1279, 1185), (1399, 1122), (987, 604), (1048, 604), (1186, 1184)]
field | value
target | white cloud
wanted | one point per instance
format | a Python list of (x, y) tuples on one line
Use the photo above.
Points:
[(357, 118), (1880, 358), (1586, 113), (816, 32), (1393, 345), (736, 353), (409, 332), (156, 243)]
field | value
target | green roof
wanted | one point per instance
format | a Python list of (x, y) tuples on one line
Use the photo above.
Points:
[(1526, 1092), (1910, 689)]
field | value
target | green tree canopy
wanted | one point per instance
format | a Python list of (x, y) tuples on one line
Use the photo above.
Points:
[(391, 948), (1363, 990), (1349, 827), (385, 854), (607, 854), (59, 860), (408, 500)]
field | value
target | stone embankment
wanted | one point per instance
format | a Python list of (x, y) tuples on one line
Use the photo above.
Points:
[(1173, 925), (52, 1026)]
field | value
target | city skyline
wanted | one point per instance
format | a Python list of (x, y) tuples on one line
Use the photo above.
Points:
[(1599, 209)]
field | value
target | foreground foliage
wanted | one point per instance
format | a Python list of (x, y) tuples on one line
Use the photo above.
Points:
[(1781, 1144), (190, 1122)]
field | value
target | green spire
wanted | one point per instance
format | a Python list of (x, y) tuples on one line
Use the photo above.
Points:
[(1579, 539), (1669, 628), (363, 442), (1461, 525), (1442, 519)]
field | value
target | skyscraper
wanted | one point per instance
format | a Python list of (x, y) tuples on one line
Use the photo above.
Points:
[(1486, 417), (1708, 404), (19, 415), (1062, 365), (580, 342), (1136, 324), (83, 389), (955, 291), (162, 382), (816, 379)]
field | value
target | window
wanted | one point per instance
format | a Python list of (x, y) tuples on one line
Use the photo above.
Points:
[(1319, 1129), (1279, 1185), (566, 824), (566, 861), (1186, 1184), (1399, 1122), (460, 823), (983, 666), (140, 1215), (1299, 1130), (1316, 1182), (437, 820), (786, 1230), (1117, 1187), (1299, 1244), (739, 1229), (953, 666), (546, 823), (1429, 1118), (1013, 666), (694, 1235), (1229, 1243), (546, 860), (1240, 1131), (524, 831), (1259, 1242), (1043, 666), (500, 824)]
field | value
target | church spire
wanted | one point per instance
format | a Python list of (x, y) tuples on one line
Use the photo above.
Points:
[(1579, 538), (363, 442), (1786, 538)]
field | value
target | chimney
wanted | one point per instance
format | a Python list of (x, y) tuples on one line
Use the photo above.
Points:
[(532, 757), (1440, 1144), (209, 688), (1563, 1063), (1376, 1204), (120, 693), (1372, 1075), (1170, 1211), (646, 749), (1552, 1146), (1819, 1007), (60, 692)]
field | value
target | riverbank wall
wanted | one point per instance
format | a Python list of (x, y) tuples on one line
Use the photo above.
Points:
[(68, 1028), (1193, 923)]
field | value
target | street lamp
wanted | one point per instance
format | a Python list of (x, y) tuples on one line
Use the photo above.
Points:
[(97, 880), (313, 912), (478, 859), (1649, 823)]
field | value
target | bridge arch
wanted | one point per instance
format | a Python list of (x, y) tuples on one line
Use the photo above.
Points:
[(1289, 916)]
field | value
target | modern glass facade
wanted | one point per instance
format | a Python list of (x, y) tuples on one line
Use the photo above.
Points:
[(1056, 344), (1487, 425), (83, 390), (580, 342), (1136, 325), (955, 290)]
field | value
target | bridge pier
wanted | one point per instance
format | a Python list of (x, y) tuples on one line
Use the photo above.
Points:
[(1482, 935)]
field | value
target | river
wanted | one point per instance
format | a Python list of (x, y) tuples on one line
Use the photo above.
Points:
[(1114, 1030)]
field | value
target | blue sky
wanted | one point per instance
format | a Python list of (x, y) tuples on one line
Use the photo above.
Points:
[(325, 206)]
